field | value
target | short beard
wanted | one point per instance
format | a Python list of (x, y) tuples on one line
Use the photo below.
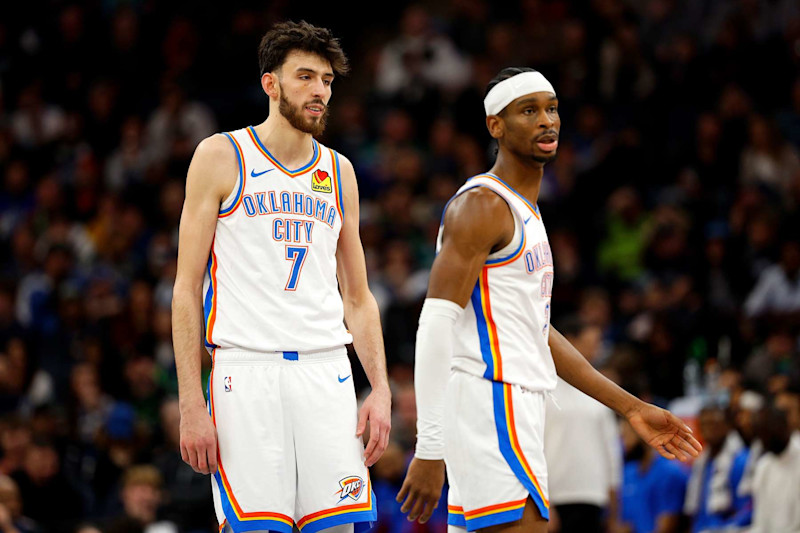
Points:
[(294, 115), (545, 159)]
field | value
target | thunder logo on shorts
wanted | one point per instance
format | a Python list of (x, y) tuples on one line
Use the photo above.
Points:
[(352, 486)]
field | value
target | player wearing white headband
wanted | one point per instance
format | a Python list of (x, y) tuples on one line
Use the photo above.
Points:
[(485, 331)]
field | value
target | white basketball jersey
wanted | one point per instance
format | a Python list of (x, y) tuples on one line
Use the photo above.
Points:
[(503, 333), (271, 283)]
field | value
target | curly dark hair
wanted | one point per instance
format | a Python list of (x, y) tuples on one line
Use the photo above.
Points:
[(288, 36)]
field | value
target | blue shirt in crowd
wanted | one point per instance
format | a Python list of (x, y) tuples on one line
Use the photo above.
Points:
[(741, 511), (647, 494)]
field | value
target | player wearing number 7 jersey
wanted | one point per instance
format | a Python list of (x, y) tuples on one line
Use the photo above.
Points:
[(268, 238)]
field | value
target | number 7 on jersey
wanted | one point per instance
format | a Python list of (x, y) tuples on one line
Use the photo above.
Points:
[(297, 255)]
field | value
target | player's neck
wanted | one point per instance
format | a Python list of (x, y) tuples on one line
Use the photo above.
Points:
[(523, 176), (290, 146)]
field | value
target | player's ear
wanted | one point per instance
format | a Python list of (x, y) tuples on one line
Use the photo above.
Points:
[(270, 84), (495, 125)]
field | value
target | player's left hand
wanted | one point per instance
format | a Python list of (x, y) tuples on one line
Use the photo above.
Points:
[(421, 489), (664, 431), (377, 410)]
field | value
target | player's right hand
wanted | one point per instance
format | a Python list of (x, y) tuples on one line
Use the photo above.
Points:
[(198, 441), (421, 489)]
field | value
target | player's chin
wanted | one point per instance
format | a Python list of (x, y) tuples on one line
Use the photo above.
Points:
[(544, 157), (317, 126)]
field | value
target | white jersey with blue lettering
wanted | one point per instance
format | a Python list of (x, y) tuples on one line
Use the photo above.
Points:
[(503, 334), (271, 283)]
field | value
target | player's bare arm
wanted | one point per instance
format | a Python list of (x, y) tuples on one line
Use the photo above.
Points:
[(477, 223), (211, 177), (363, 320), (658, 427)]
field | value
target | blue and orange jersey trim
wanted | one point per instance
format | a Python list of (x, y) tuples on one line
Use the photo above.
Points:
[(241, 180), (210, 301), (315, 157), (510, 446), (337, 187), (499, 261), (487, 329), (239, 519), (516, 254), (490, 515), (534, 209), (358, 512), (337, 183)]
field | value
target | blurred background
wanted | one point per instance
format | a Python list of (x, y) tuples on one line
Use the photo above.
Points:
[(673, 211)]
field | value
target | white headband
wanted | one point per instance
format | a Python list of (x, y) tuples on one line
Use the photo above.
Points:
[(512, 88)]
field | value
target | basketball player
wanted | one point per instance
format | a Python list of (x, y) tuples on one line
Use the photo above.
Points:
[(486, 315), (269, 225)]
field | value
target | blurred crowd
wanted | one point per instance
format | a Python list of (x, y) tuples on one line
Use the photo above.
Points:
[(673, 211)]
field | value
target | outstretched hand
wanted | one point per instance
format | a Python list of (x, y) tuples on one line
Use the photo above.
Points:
[(665, 432)]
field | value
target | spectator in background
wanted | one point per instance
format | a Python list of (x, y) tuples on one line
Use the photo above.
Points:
[(772, 366), (776, 488), (11, 516), (36, 122), (626, 75), (653, 488), (777, 290), (711, 496), (789, 402), (127, 164), (627, 228), (15, 439), (745, 409), (48, 496), (177, 125), (420, 57), (404, 416), (583, 480), (91, 406), (36, 305), (789, 118), (145, 380), (101, 463), (142, 498), (768, 160)]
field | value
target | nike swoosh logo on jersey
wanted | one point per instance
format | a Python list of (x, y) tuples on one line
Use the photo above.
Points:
[(254, 175), (527, 219), (343, 379)]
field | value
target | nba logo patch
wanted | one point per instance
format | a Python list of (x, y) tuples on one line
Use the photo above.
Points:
[(227, 382), (321, 181), (352, 487)]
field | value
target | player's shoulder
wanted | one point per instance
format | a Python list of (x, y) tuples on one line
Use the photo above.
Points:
[(479, 204), (217, 145), (214, 166), (217, 153), (478, 217)]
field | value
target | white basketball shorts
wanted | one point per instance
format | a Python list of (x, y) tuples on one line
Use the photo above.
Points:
[(494, 451), (288, 450)]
